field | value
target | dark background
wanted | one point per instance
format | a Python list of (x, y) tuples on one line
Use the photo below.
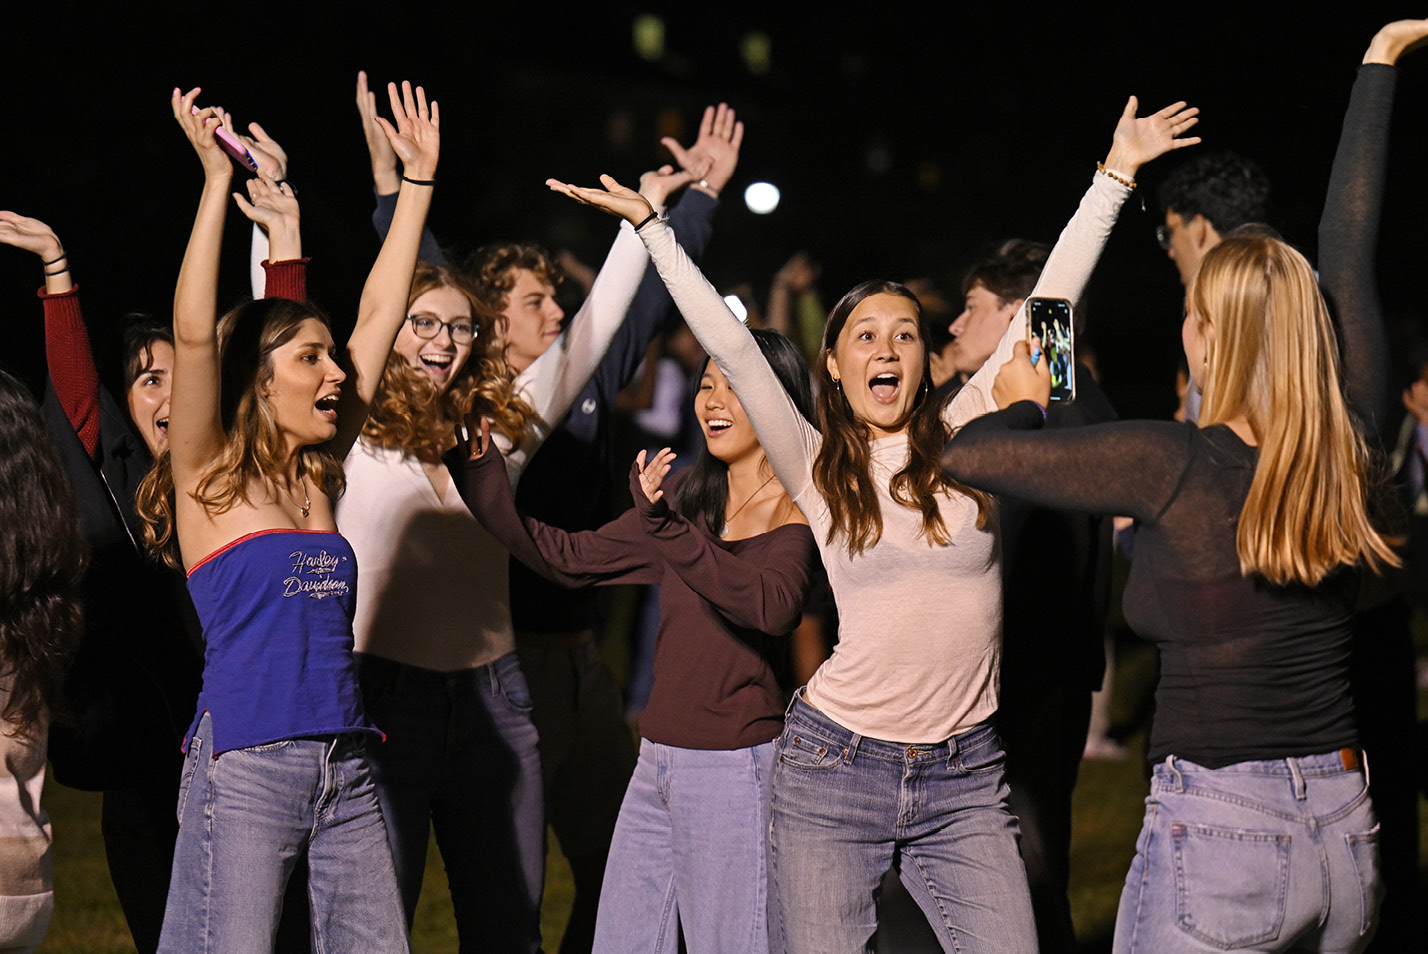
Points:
[(903, 142)]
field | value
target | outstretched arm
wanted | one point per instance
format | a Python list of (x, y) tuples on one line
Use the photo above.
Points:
[(386, 180), (1348, 230), (416, 139), (195, 422), (67, 353), (1136, 141), (790, 442)]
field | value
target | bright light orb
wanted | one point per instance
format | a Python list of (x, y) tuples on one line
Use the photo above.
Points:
[(761, 197)]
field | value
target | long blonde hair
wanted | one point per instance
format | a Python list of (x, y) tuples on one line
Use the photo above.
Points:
[(1273, 359), (409, 414), (253, 450)]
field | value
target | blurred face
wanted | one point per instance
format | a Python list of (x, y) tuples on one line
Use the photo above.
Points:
[(306, 385), (149, 397), (439, 357), (532, 319), (878, 360), (979, 328), (1184, 251), (727, 431)]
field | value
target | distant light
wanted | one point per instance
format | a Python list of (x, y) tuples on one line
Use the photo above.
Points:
[(757, 50), (878, 158), (761, 197), (736, 305), (648, 37)]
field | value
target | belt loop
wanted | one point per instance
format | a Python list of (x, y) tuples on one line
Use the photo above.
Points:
[(1300, 792), (1179, 782), (797, 695), (1363, 758), (851, 752)]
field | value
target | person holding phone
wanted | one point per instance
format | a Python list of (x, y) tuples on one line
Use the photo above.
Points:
[(1254, 531), (276, 766), (906, 700)]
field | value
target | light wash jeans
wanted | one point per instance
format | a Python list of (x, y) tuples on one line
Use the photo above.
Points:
[(461, 756), (846, 808), (1256, 856), (245, 819), (689, 853)]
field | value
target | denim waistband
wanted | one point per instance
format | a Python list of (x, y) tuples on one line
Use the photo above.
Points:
[(1309, 766), (400, 676), (803, 712)]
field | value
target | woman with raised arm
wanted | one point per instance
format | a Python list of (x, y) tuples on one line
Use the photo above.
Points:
[(889, 757), (1253, 534), (733, 556), (244, 501)]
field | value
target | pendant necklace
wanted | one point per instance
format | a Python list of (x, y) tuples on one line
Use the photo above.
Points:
[(306, 506), (730, 519)]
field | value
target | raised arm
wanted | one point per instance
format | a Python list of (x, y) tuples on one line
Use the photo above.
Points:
[(416, 139), (1135, 142), (1348, 230), (789, 441), (766, 595), (195, 422), (386, 180), (67, 353)]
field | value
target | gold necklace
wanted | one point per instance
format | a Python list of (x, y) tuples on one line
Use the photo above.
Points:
[(730, 519), (306, 506)]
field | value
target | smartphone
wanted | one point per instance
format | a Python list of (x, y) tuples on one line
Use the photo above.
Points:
[(1050, 320), (232, 146)]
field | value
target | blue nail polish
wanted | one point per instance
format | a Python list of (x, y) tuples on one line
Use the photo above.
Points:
[(1035, 357)]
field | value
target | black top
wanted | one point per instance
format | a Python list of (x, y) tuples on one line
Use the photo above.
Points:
[(1248, 670)]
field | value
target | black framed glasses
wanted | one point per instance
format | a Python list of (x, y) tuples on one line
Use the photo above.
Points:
[(462, 330), (1162, 235)]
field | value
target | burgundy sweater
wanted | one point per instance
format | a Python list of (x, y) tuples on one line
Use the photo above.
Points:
[(725, 605)]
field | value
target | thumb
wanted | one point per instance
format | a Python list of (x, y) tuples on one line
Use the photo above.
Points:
[(1132, 105), (259, 133), (675, 149), (1021, 349)]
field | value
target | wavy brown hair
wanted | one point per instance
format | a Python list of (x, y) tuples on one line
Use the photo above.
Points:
[(411, 415), (42, 558), (253, 450), (1275, 361), (493, 270), (842, 472)]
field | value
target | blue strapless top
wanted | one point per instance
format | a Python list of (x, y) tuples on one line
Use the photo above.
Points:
[(276, 608)]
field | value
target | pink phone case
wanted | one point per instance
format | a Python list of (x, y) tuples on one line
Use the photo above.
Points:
[(232, 146)]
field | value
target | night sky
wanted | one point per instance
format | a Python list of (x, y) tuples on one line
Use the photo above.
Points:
[(902, 145)]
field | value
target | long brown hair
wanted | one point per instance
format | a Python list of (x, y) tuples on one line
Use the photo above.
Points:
[(253, 451), (842, 472), (411, 415), (1273, 359)]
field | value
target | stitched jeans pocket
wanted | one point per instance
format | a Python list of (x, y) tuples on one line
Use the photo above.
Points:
[(1363, 848), (190, 765), (1230, 884), (800, 748)]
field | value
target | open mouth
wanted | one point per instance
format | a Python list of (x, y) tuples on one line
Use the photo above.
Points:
[(885, 388), (327, 407), (163, 425), (437, 362), (718, 425)]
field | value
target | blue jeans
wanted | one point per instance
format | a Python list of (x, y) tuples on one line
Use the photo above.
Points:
[(461, 756), (247, 817), (689, 852), (846, 808), (1257, 856)]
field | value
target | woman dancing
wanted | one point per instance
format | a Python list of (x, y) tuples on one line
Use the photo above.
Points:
[(889, 757), (733, 556), (243, 500)]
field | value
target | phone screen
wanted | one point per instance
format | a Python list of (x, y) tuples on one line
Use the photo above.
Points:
[(1051, 322)]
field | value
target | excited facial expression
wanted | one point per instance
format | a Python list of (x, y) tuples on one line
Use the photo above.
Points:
[(306, 385), (878, 360), (532, 320), (980, 327), (727, 431), (149, 397), (440, 357)]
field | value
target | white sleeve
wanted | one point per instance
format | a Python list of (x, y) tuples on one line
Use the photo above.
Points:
[(257, 255), (790, 442), (1067, 271), (554, 380)]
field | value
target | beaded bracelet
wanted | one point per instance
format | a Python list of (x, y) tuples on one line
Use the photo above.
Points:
[(1128, 183)]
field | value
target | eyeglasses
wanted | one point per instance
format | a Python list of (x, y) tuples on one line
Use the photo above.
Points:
[(462, 331), (1162, 235)]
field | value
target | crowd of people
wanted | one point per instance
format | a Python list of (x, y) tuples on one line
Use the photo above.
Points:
[(295, 606)]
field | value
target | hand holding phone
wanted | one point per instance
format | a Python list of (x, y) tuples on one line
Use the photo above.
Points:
[(1050, 320), (233, 147)]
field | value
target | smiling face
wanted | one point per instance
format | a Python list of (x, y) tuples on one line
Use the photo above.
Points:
[(727, 431), (532, 319), (440, 357), (305, 385), (879, 360), (979, 328), (149, 396)]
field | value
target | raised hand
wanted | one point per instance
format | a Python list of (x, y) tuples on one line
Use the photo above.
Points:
[(1396, 39), (658, 185), (271, 158), (416, 138), (715, 154), (274, 206), (32, 235), (199, 127), (652, 474), (1021, 380), (1139, 140), (379, 150), (614, 198)]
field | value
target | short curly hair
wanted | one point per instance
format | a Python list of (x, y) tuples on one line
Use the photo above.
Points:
[(1224, 187)]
